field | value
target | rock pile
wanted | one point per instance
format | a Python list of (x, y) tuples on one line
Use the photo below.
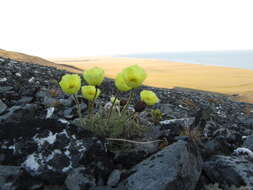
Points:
[(207, 139)]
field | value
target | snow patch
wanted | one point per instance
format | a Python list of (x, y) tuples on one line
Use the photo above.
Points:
[(31, 162), (243, 150), (18, 74), (66, 169), (185, 121), (50, 139), (31, 80), (51, 156), (50, 112), (3, 79), (79, 143), (64, 121)]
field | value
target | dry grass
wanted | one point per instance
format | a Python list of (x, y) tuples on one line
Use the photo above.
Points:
[(194, 134)]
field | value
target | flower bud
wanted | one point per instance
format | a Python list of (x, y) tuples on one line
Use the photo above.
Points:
[(139, 106), (90, 92), (121, 84), (94, 76), (134, 76), (149, 97), (70, 83), (123, 102)]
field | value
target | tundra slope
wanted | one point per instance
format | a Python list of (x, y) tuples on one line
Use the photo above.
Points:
[(42, 149)]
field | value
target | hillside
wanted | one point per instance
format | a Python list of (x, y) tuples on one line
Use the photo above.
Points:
[(199, 139), (34, 59)]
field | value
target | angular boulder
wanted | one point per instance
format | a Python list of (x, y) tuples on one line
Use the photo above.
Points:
[(177, 166), (230, 170)]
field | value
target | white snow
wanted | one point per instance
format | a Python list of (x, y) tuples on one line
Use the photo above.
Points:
[(65, 169), (12, 147), (243, 150), (67, 153), (73, 136), (166, 122), (50, 112), (31, 162), (18, 74), (64, 121), (50, 139), (31, 80), (64, 132), (51, 156), (79, 143), (3, 79)]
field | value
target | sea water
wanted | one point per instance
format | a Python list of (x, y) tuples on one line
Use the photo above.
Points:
[(238, 59)]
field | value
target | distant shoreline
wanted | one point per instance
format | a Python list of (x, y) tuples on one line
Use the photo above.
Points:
[(242, 59)]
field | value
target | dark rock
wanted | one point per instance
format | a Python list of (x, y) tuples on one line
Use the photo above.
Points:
[(230, 170), (83, 106), (177, 166), (79, 179), (5, 89), (25, 100), (106, 188), (49, 101), (3, 107), (48, 149), (6, 173), (68, 113), (41, 94), (66, 102), (18, 113), (114, 178), (248, 121)]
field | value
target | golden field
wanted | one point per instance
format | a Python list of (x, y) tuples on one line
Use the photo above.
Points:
[(168, 74), (163, 74)]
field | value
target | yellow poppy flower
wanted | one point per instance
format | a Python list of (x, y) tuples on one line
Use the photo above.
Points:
[(94, 76), (149, 97), (121, 84), (70, 83), (89, 92), (134, 76)]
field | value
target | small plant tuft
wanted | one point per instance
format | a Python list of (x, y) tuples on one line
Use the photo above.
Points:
[(193, 133), (156, 115), (116, 127), (111, 121)]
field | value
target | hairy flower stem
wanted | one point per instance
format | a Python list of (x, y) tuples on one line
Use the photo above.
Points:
[(79, 111), (132, 115), (131, 141), (92, 105), (111, 108), (128, 102), (89, 109)]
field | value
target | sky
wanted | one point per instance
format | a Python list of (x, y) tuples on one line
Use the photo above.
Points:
[(76, 28)]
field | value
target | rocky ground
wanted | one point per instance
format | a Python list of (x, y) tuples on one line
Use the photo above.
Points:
[(207, 139)]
